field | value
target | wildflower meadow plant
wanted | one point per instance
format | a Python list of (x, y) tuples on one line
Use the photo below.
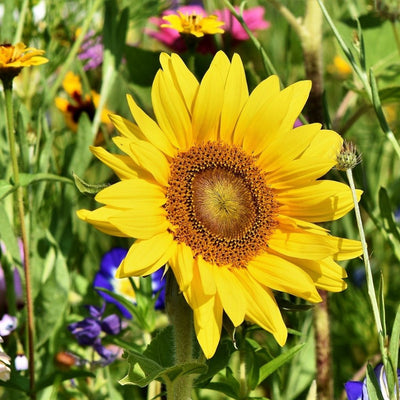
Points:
[(199, 200)]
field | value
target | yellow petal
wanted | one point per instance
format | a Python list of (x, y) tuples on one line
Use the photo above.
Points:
[(301, 245), (235, 96), (280, 274), (209, 100), (170, 110), (141, 223), (99, 219), (277, 154), (206, 276), (151, 130), (147, 157), (297, 173), (208, 325), (122, 165), (319, 201), (325, 145), (146, 256), (326, 274), (230, 293), (259, 97), (182, 264), (346, 248), (261, 306), (185, 82), (126, 128), (132, 194), (277, 117)]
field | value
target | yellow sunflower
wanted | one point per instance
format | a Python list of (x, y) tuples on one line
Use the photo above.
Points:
[(224, 190), (14, 58), (194, 24)]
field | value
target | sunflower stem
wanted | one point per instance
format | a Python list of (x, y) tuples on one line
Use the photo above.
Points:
[(181, 318), (7, 83)]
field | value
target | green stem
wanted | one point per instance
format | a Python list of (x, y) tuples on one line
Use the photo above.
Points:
[(268, 66), (21, 21), (24, 237), (181, 318), (368, 270), (396, 34)]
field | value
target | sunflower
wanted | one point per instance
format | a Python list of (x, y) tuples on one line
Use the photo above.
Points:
[(224, 190), (193, 23), (14, 58)]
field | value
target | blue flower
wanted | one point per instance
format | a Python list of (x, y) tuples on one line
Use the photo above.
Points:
[(105, 278), (358, 390)]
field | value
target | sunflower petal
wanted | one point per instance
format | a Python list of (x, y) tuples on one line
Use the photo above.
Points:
[(182, 264), (208, 103), (146, 256), (230, 293), (151, 130), (99, 218), (248, 119), (122, 165), (319, 201), (280, 274), (235, 96), (261, 306), (170, 110)]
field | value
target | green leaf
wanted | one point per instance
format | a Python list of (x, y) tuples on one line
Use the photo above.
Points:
[(142, 65), (6, 188), (394, 341), (87, 188), (374, 391), (252, 368), (162, 348), (267, 369), (216, 363), (52, 298), (390, 94), (227, 385), (8, 236), (143, 370)]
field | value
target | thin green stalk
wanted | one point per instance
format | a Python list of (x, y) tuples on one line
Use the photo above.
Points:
[(21, 21), (24, 237), (270, 69), (396, 34), (368, 270)]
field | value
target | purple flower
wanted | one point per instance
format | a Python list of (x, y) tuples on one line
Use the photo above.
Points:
[(92, 51), (105, 278), (88, 331), (358, 390)]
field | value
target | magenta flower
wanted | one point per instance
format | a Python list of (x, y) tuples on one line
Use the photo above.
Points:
[(253, 17)]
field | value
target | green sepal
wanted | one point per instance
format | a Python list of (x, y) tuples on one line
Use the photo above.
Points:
[(87, 188)]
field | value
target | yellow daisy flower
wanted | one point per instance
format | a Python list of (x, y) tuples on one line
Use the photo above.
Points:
[(14, 58), (224, 190), (193, 24)]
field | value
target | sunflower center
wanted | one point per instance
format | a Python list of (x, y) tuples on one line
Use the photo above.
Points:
[(219, 203), (222, 202)]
